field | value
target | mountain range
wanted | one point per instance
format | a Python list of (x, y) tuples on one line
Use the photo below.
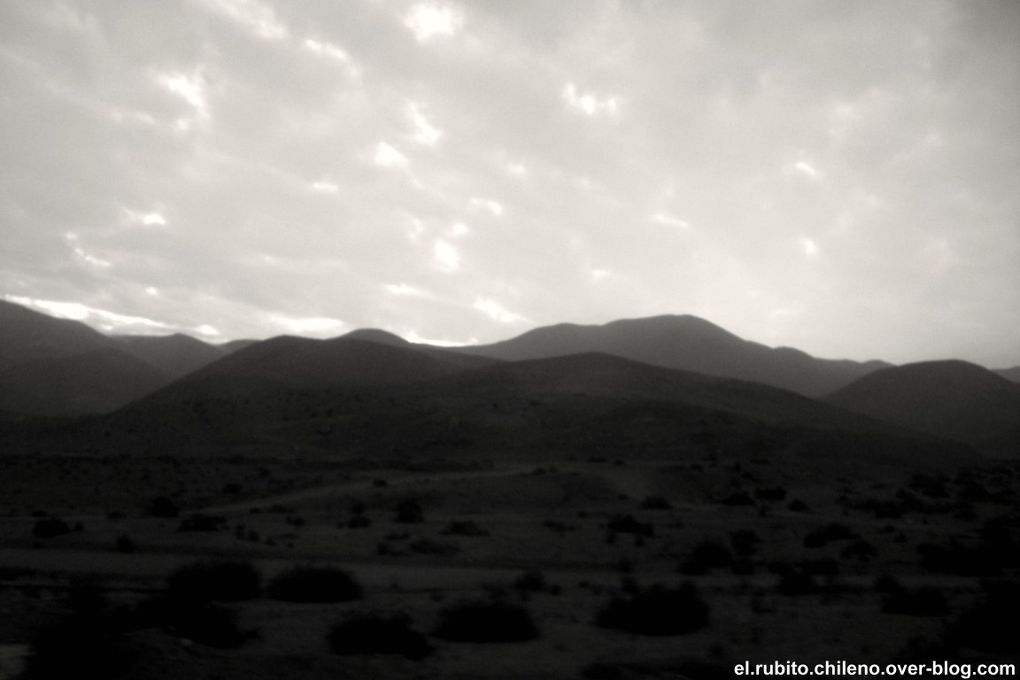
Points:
[(638, 382)]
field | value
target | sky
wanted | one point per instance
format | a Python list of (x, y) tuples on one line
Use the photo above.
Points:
[(840, 177)]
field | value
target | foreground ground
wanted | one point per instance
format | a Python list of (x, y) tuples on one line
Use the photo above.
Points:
[(788, 561)]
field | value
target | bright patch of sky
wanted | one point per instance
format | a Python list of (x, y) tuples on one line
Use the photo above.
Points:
[(431, 20)]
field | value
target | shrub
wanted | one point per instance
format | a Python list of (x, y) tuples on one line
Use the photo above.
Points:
[(626, 524), (359, 522), (988, 626), (738, 498), (771, 494), (744, 541), (409, 512), (223, 581), (795, 582), (427, 546), (925, 601), (706, 556), (656, 611), (480, 621), (314, 584), (656, 503), (162, 506), (79, 646), (378, 634), (212, 625), (202, 522), (860, 550), (464, 528), (124, 544), (50, 527), (823, 535)]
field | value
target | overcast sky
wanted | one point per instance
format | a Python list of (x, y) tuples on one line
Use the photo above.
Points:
[(842, 177)]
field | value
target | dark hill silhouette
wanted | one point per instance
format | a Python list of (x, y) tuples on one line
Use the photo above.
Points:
[(304, 365), (378, 336), (27, 335), (952, 399), (175, 355), (96, 381), (686, 343), (1011, 374)]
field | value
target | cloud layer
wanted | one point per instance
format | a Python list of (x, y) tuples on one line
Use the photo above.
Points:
[(840, 177)]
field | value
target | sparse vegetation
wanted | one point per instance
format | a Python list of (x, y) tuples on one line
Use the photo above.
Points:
[(485, 621), (215, 581), (657, 610), (378, 634), (314, 584)]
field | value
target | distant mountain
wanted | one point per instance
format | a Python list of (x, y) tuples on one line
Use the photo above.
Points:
[(358, 397), (96, 381), (175, 355), (1011, 374), (27, 335), (952, 399), (302, 364), (686, 343)]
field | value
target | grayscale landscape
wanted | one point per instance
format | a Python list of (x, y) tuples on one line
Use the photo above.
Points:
[(552, 340)]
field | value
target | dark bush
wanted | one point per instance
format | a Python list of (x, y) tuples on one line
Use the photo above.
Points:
[(124, 544), (427, 546), (378, 634), (823, 535), (359, 522), (50, 527), (794, 582), (860, 550), (738, 498), (314, 584), (409, 512), (532, 581), (656, 503), (656, 611), (464, 528), (480, 621), (744, 541), (162, 506), (771, 494), (990, 624), (797, 505), (212, 581), (79, 646), (626, 524), (706, 556), (209, 624), (925, 601), (202, 522)]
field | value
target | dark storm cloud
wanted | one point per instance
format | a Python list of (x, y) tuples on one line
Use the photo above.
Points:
[(835, 176)]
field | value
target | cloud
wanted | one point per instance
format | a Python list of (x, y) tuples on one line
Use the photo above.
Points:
[(430, 20), (322, 186), (105, 319), (334, 52), (387, 156), (424, 132), (670, 221), (497, 312), (312, 325), (445, 256), (145, 219), (588, 103), (252, 15), (495, 208)]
